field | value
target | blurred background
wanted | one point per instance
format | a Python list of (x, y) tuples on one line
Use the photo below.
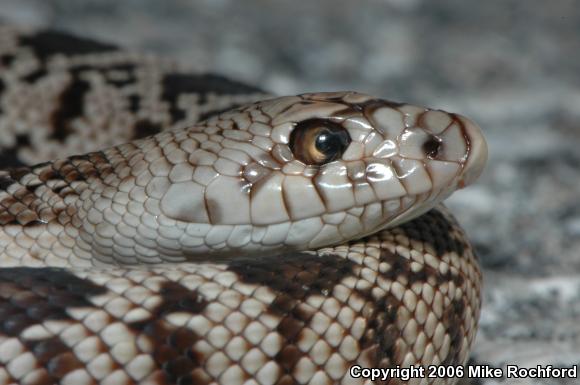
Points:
[(512, 66)]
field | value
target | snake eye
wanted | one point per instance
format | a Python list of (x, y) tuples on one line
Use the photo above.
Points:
[(318, 141)]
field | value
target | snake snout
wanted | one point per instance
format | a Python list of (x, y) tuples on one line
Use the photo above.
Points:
[(477, 151)]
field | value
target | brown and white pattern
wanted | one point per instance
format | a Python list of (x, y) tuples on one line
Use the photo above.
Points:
[(298, 318), (210, 253), (61, 96)]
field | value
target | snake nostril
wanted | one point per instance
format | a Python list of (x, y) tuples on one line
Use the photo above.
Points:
[(432, 146)]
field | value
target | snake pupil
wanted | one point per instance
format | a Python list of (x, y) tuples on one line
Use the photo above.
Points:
[(331, 143)]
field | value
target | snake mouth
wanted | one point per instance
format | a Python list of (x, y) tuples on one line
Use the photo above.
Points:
[(476, 153)]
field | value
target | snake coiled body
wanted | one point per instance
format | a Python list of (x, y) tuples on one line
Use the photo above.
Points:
[(211, 234)]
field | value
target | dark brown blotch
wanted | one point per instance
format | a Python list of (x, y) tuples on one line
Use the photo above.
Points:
[(62, 364), (433, 228), (174, 85), (29, 303), (47, 43), (452, 320), (174, 354), (293, 278), (144, 128), (71, 106)]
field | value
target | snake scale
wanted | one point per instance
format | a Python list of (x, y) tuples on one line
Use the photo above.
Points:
[(212, 234)]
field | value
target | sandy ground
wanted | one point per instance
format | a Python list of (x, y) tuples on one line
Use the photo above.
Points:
[(512, 66)]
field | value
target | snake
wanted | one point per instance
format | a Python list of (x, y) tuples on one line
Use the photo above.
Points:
[(163, 226)]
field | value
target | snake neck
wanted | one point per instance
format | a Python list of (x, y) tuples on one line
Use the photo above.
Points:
[(48, 192), (42, 207), (101, 208)]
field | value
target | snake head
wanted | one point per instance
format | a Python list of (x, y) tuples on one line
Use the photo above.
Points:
[(317, 169)]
